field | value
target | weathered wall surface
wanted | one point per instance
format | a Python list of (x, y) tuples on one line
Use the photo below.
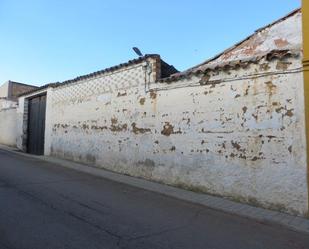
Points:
[(228, 134), (8, 130), (6, 104), (4, 90), (21, 123), (8, 122)]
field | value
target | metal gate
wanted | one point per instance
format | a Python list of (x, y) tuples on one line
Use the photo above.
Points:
[(36, 125)]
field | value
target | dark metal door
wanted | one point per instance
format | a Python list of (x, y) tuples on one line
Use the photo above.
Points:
[(36, 125)]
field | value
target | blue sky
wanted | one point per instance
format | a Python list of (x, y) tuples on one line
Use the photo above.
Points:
[(47, 41)]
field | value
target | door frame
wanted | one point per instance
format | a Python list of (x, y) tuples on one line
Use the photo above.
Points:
[(26, 106)]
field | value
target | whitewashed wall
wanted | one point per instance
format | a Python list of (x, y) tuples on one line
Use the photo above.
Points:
[(242, 138), (21, 123), (4, 90), (8, 129), (6, 104)]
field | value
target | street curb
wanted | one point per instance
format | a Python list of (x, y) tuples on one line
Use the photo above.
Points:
[(220, 204)]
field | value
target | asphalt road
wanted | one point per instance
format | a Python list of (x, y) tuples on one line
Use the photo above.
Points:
[(46, 206)]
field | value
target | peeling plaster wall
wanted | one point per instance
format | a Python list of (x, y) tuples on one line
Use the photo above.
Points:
[(238, 137), (6, 104)]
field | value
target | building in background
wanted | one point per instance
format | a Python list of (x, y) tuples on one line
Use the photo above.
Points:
[(9, 93), (11, 90)]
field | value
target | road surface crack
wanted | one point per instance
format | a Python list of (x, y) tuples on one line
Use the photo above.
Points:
[(71, 214), (187, 224)]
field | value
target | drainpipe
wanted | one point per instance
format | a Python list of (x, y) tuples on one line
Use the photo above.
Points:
[(305, 15)]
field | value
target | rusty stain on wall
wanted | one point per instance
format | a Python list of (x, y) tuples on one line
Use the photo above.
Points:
[(137, 130), (282, 65), (153, 95), (142, 101), (271, 88), (168, 129)]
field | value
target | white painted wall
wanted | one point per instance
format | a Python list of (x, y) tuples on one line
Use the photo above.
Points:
[(8, 130), (20, 123), (6, 104), (8, 122), (241, 139), (4, 90)]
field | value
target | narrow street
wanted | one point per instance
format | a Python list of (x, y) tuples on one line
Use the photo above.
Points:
[(47, 206)]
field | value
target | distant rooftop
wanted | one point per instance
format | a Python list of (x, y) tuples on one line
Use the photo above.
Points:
[(11, 89)]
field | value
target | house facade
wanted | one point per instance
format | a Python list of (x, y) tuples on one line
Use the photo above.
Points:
[(9, 93), (233, 126)]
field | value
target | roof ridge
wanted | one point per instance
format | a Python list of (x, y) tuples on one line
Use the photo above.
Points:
[(279, 20), (247, 38), (94, 74), (110, 69), (273, 54), (20, 83)]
